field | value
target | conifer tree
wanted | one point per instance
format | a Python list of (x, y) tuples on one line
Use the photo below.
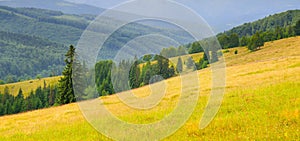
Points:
[(65, 87), (134, 74), (19, 102)]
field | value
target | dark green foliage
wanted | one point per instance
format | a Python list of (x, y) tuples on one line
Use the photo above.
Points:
[(236, 52), (195, 48), (226, 51), (35, 56), (2, 82), (126, 78), (162, 66), (271, 28), (297, 28), (233, 40), (103, 78), (134, 75), (41, 98), (244, 40), (171, 71), (66, 91), (149, 57), (256, 42), (203, 62), (269, 23), (229, 41), (146, 74)]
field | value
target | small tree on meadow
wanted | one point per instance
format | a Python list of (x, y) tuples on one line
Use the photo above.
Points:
[(256, 42)]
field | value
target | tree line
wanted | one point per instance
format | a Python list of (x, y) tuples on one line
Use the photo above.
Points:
[(256, 40), (112, 78), (42, 97)]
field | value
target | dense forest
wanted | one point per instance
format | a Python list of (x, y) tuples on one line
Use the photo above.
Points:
[(269, 23), (253, 35), (122, 77), (273, 27), (42, 97), (112, 78), (25, 57)]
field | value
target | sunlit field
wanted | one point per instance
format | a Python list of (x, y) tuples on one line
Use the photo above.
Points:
[(28, 86), (261, 102)]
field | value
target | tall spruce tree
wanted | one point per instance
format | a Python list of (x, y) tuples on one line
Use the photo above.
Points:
[(134, 74), (163, 66), (19, 101), (65, 87)]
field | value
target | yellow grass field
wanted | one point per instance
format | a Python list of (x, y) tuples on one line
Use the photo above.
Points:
[(261, 102), (28, 86)]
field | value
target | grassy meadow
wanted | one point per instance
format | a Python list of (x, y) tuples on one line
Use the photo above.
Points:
[(261, 102), (28, 86)]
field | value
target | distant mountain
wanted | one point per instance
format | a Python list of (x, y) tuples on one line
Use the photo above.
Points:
[(52, 25), (282, 20), (66, 28), (31, 24), (56, 5)]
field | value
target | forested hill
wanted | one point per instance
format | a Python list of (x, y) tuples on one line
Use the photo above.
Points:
[(51, 25), (57, 5), (32, 41), (25, 57), (65, 28), (282, 20)]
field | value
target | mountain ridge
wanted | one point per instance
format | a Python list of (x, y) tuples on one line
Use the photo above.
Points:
[(56, 5), (283, 19)]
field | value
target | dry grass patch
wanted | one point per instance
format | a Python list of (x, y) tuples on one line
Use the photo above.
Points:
[(28, 86)]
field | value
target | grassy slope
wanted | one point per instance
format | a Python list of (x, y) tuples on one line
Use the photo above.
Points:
[(28, 86), (261, 102)]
